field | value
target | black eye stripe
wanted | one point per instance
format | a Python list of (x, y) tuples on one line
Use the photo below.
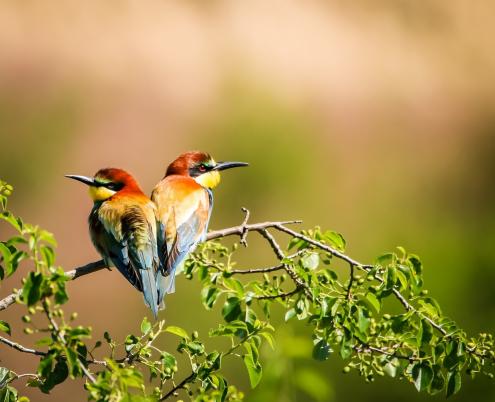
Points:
[(199, 169), (111, 185)]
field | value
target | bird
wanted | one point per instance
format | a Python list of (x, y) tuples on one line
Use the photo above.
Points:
[(122, 226), (184, 201)]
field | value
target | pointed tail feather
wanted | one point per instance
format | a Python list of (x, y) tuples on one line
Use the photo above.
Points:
[(150, 292), (165, 285)]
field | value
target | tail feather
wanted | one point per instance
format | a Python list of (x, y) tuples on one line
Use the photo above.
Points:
[(150, 292)]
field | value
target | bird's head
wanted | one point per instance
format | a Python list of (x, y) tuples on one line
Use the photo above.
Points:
[(108, 182), (201, 167)]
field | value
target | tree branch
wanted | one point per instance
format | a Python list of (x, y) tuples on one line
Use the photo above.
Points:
[(280, 295), (240, 230), (365, 267), (178, 386), (20, 348)]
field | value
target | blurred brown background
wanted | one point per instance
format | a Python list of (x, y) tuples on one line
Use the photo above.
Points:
[(375, 118)]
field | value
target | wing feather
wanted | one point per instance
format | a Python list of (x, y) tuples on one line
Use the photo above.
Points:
[(183, 215), (127, 237)]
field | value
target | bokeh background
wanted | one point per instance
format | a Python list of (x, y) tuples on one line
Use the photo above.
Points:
[(375, 118)]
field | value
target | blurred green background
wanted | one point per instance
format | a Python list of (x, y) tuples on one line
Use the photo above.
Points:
[(372, 118)]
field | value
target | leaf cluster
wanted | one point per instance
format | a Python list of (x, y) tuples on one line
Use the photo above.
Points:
[(378, 318)]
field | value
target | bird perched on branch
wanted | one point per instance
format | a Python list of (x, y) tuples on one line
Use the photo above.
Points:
[(184, 201), (122, 225)]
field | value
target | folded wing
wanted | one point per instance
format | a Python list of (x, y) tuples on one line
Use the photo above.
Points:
[(183, 215), (127, 236)]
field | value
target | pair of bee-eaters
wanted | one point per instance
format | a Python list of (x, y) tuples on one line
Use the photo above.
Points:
[(147, 239)]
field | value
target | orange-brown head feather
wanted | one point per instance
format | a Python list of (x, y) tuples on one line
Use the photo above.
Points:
[(181, 165)]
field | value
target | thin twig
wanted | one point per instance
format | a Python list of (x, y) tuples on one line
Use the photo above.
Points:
[(21, 348), (64, 342), (366, 267), (257, 270), (178, 386), (254, 227), (243, 239), (351, 281), (71, 275), (290, 271), (368, 349), (279, 295), (320, 245)]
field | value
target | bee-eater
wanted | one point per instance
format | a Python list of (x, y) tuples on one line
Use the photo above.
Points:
[(122, 225), (184, 201)]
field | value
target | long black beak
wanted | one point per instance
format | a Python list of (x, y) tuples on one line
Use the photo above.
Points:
[(229, 165), (83, 179)]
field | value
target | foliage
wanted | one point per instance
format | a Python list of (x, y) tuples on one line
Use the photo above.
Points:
[(378, 318)]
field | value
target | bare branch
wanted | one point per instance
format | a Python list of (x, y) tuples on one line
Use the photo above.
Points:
[(243, 240), (20, 348), (71, 275), (257, 270), (239, 230), (10, 299)]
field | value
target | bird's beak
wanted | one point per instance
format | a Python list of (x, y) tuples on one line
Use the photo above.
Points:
[(83, 179), (229, 165)]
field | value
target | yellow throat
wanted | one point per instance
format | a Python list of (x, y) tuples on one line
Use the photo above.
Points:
[(209, 179), (100, 193)]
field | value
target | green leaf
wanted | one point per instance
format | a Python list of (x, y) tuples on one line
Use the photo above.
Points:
[(8, 394), (422, 375), (5, 327), (425, 333), (392, 367), (31, 292), (310, 261), (386, 259), (6, 256), (209, 296), (72, 361), (415, 263), (232, 309), (345, 348), (168, 360), (48, 255), (235, 285), (363, 321), (321, 350), (15, 222), (145, 326), (335, 239), (269, 338), (61, 296), (290, 314), (453, 383), (254, 370), (130, 342), (438, 382), (4, 376), (177, 331), (296, 242), (373, 301), (215, 360)]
